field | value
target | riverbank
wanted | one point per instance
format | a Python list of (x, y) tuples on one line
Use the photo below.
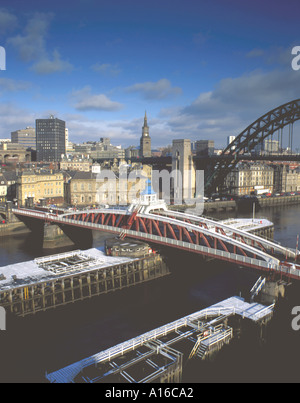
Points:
[(13, 228), (244, 204)]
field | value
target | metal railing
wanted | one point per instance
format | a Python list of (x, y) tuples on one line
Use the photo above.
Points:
[(263, 241), (66, 374), (269, 264)]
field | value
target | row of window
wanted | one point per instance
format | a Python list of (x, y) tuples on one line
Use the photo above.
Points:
[(46, 192), (41, 179)]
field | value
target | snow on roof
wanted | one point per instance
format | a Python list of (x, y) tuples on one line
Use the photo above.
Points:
[(33, 271)]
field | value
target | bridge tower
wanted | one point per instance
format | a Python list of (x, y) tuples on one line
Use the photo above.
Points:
[(183, 171)]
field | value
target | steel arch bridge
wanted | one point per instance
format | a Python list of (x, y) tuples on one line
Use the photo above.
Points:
[(265, 126)]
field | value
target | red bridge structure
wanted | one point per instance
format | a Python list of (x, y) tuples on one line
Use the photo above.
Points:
[(152, 222)]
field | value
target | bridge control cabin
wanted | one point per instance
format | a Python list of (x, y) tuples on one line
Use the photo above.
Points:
[(128, 247)]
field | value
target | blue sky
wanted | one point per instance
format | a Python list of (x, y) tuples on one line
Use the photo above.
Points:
[(201, 69)]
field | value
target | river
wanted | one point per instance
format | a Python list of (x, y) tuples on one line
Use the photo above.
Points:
[(50, 340)]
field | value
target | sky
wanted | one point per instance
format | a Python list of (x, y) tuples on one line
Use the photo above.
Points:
[(202, 70)]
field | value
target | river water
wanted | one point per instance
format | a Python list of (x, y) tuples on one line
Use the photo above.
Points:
[(50, 340)]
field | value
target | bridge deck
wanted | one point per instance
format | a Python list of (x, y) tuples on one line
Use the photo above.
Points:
[(226, 242), (238, 227)]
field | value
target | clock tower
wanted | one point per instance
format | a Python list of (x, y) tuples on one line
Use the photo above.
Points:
[(145, 141)]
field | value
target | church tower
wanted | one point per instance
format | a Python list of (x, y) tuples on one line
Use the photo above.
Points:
[(145, 142)]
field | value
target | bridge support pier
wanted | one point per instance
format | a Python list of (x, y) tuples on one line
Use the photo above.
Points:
[(271, 292), (10, 217), (54, 237), (81, 237), (46, 235)]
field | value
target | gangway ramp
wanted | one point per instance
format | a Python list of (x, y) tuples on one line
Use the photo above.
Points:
[(257, 287)]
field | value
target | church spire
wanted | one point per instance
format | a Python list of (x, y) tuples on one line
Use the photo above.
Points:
[(145, 141), (145, 129), (145, 120)]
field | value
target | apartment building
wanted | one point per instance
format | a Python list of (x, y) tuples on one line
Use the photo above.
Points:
[(248, 176), (40, 185)]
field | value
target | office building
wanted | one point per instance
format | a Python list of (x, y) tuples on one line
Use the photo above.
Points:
[(50, 139), (205, 147), (25, 137)]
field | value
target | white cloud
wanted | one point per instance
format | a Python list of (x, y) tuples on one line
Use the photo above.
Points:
[(14, 118), (248, 96), (232, 105), (120, 132), (31, 46), (8, 84), (255, 53), (85, 100), (106, 68), (49, 66), (160, 89), (226, 110), (8, 21)]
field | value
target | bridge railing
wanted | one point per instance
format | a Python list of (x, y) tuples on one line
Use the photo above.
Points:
[(68, 373), (238, 259), (265, 256), (151, 237), (213, 222)]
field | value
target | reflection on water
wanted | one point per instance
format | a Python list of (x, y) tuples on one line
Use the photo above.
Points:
[(50, 340)]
